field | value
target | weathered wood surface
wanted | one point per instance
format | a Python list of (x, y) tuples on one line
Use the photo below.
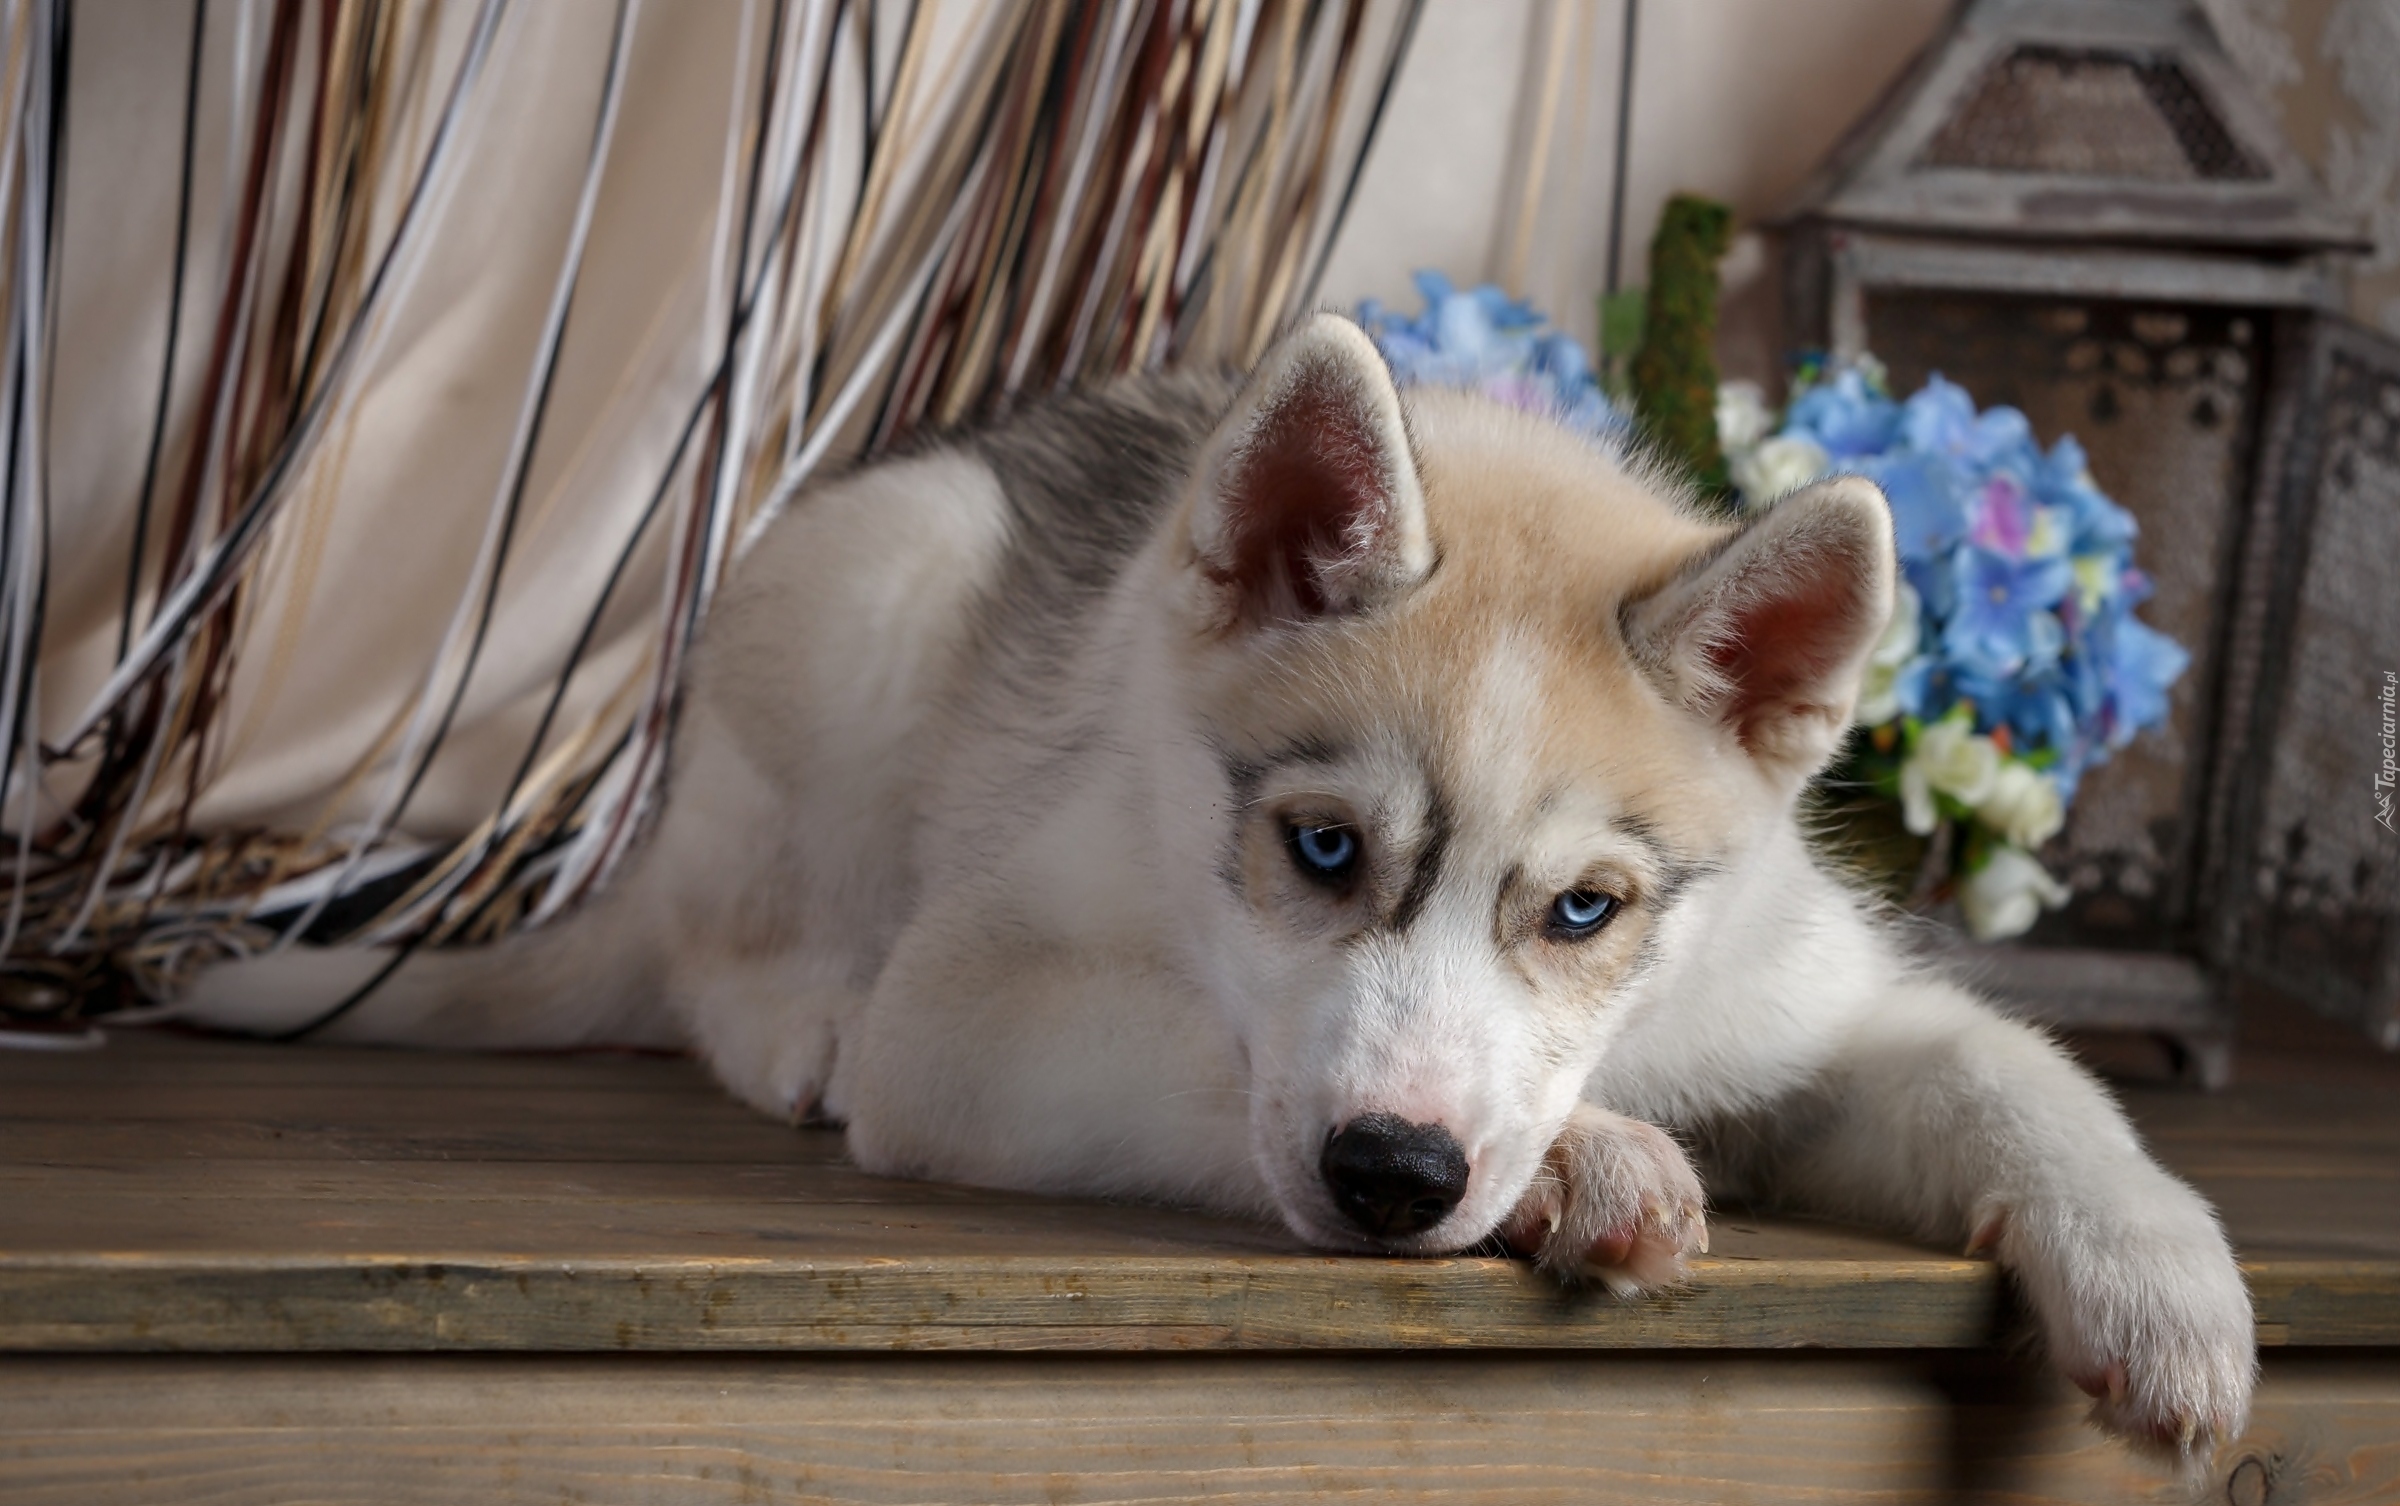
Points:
[(172, 1194), (1506, 1429)]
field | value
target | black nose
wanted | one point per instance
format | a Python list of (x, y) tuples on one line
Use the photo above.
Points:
[(1391, 1177)]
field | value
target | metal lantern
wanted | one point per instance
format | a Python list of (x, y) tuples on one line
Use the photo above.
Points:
[(2078, 209)]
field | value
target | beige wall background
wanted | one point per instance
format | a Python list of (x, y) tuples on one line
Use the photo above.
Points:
[(1740, 99), (1497, 163)]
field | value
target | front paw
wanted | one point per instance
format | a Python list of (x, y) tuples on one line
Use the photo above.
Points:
[(2143, 1308), (1615, 1201), (780, 1074)]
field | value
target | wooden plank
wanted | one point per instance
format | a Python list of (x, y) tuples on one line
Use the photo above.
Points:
[(226, 1196), (731, 1228), (2273, 1217), (133, 1058), (532, 1184), (696, 1140), (870, 1301), (1459, 1430), (417, 1209), (2326, 1302), (250, 1204), (413, 1105), (101, 1144), (875, 1300)]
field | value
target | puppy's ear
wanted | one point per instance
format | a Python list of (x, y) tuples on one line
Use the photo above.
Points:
[(1306, 501), (1769, 632)]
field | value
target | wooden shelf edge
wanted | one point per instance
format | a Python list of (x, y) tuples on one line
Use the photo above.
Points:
[(105, 1302), (2328, 1303)]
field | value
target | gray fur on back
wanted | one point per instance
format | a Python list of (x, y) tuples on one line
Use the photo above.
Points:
[(1087, 476)]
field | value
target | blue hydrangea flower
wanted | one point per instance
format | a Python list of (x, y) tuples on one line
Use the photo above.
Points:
[(2064, 481), (2003, 518), (1939, 419), (2137, 664), (1929, 516), (2023, 567), (2004, 624), (1926, 687), (1483, 340), (1846, 415)]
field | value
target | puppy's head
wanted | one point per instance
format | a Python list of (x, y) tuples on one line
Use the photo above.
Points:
[(1483, 702)]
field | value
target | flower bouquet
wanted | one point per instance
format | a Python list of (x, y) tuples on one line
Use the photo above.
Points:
[(2014, 662)]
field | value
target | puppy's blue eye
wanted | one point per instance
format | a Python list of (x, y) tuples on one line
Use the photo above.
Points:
[(1324, 852), (1580, 912)]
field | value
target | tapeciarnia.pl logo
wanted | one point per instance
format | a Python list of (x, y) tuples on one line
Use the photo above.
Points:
[(2386, 776)]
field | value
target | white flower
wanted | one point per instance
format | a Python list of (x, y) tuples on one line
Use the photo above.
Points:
[(1775, 466), (1917, 810), (1878, 696), (1898, 644), (1879, 692), (1950, 758), (1743, 417), (2007, 894), (2023, 806)]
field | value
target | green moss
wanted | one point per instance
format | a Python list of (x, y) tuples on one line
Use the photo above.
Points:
[(1675, 372), (1621, 315)]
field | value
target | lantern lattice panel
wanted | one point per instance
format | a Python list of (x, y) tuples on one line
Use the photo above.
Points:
[(2318, 883), (2093, 114)]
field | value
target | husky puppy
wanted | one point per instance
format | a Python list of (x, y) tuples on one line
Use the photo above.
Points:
[(1370, 813)]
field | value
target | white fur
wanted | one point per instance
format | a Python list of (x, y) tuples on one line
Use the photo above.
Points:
[(993, 933)]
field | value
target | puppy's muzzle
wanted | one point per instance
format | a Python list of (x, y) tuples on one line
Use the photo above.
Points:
[(1392, 1178)]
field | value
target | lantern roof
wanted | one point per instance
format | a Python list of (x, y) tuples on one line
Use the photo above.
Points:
[(2088, 121)]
